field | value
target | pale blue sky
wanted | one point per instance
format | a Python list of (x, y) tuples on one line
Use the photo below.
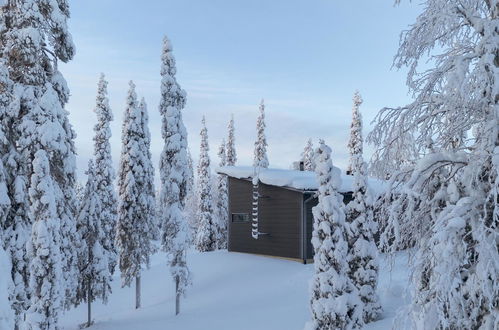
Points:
[(306, 58)]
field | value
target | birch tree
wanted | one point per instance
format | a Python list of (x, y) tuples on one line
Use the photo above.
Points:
[(456, 106)]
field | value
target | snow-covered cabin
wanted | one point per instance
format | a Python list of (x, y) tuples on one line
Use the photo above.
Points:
[(285, 202)]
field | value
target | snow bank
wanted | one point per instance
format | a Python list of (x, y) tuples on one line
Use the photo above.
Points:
[(301, 180), (231, 291)]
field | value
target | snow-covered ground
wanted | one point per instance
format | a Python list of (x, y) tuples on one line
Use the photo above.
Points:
[(230, 291)]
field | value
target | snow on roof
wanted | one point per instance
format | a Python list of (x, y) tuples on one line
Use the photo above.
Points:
[(301, 180)]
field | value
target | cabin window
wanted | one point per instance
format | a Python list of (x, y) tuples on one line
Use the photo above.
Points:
[(240, 217)]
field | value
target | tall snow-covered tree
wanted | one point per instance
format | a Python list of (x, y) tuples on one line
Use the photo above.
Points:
[(191, 201), (307, 156), (15, 224), (260, 155), (231, 155), (44, 251), (260, 161), (355, 144), (37, 121), (5, 98), (150, 190), (362, 250), (206, 237), (95, 277), (175, 174), (7, 316), (104, 172), (136, 203), (456, 106), (334, 301), (222, 200), (6, 312), (80, 194)]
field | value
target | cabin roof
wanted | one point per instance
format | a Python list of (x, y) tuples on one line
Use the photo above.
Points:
[(293, 179)]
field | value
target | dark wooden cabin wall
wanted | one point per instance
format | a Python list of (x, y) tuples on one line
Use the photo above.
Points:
[(280, 213)]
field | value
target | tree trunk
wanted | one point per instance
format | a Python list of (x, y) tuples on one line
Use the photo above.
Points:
[(177, 297), (137, 292), (89, 306)]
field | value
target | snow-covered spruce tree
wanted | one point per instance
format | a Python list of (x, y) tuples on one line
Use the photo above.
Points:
[(44, 251), (79, 193), (6, 285), (456, 105), (355, 144), (175, 174), (95, 278), (15, 223), (307, 156), (104, 172), (260, 155), (230, 147), (260, 161), (5, 145), (6, 312), (362, 250), (37, 108), (206, 237), (191, 201), (222, 200), (150, 190), (136, 203), (334, 301)]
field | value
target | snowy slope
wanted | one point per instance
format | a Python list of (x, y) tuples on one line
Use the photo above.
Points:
[(230, 291)]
